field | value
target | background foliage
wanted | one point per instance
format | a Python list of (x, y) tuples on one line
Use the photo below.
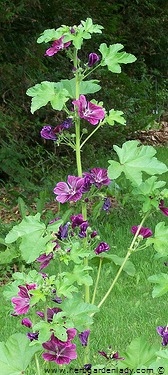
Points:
[(139, 91)]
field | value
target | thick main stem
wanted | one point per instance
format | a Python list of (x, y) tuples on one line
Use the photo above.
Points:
[(79, 169)]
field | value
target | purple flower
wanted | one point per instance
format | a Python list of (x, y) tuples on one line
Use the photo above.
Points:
[(63, 231), (116, 356), (83, 337), (163, 332), (93, 59), (83, 228), (103, 354), (101, 248), (89, 111), (26, 322), (162, 208), (111, 356), (87, 184), (67, 123), (98, 177), (93, 234), (50, 313), (32, 335), (57, 46), (144, 232), (47, 132), (71, 191), (76, 220), (22, 303), (59, 351), (87, 367), (106, 204), (44, 260)]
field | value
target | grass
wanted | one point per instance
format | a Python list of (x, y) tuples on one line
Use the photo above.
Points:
[(130, 310)]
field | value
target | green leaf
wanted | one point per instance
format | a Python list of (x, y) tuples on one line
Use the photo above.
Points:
[(90, 27), (133, 160), (115, 116), (50, 34), (129, 267), (79, 312), (85, 87), (16, 354), (45, 92), (162, 284), (139, 354), (28, 225), (33, 241), (160, 239), (8, 255), (149, 187), (112, 58), (37, 295), (32, 247)]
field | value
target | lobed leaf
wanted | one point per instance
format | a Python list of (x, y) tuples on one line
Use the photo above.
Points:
[(162, 284), (133, 160)]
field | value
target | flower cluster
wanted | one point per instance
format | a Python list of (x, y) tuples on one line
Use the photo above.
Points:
[(75, 186), (48, 132)]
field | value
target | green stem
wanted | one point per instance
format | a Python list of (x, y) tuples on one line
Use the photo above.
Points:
[(91, 71), (86, 139), (37, 364), (130, 250), (97, 280)]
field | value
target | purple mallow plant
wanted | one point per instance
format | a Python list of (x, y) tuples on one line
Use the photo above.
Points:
[(74, 242)]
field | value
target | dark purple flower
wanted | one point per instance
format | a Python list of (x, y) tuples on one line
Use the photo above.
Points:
[(50, 313), (162, 208), (56, 298), (87, 184), (101, 248), (71, 191), (59, 351), (93, 234), (111, 356), (87, 367), (144, 232), (22, 303), (103, 354), (67, 123), (63, 231), (32, 335), (26, 322), (93, 59), (44, 260), (57, 46), (163, 332), (83, 228), (116, 356), (89, 111), (83, 337), (54, 220), (76, 220), (47, 132), (106, 204), (98, 177)]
